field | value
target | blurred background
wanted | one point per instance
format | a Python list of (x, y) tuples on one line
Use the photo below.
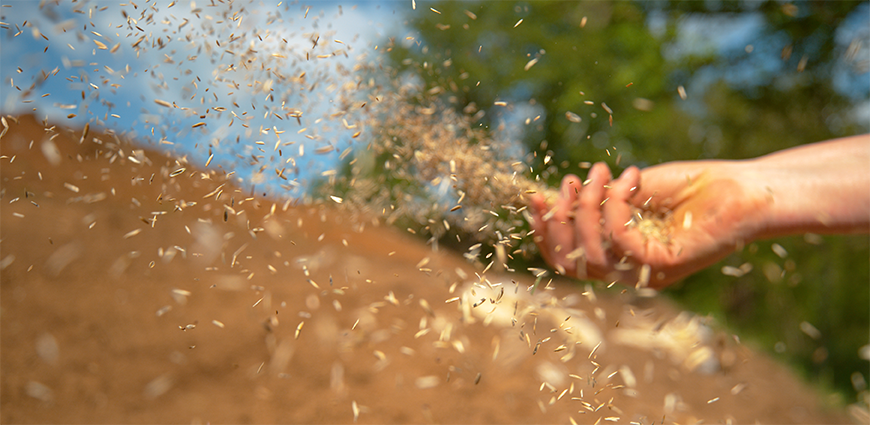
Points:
[(684, 81), (628, 83)]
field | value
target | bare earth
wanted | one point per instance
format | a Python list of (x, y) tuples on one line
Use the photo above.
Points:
[(123, 302)]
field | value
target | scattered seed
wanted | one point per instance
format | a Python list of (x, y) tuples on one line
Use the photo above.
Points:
[(530, 64), (779, 250)]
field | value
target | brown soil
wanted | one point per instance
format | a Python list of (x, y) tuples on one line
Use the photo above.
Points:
[(84, 340)]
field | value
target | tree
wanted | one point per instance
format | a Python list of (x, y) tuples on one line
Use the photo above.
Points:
[(643, 83)]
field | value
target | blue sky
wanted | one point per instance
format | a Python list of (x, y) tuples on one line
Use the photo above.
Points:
[(182, 63), (218, 66)]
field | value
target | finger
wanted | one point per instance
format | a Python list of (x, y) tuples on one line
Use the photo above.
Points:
[(627, 240), (539, 208), (561, 226), (588, 220), (570, 190)]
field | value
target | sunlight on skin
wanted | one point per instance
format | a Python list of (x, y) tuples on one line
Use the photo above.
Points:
[(710, 209)]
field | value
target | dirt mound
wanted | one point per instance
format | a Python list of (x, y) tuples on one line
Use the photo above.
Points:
[(138, 288)]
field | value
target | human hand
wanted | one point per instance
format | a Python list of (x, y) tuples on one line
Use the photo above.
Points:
[(698, 211)]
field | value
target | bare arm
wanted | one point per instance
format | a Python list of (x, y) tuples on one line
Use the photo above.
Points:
[(821, 188)]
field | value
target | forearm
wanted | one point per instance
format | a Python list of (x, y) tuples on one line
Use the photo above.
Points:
[(820, 188)]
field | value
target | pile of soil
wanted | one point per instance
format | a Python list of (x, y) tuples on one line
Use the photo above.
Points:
[(136, 287)]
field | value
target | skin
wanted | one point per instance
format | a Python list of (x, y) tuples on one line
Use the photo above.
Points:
[(819, 188)]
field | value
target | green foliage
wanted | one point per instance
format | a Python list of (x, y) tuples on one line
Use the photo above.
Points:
[(823, 283), (613, 59), (741, 102)]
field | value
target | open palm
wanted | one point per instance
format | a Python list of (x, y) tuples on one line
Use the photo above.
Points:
[(701, 210)]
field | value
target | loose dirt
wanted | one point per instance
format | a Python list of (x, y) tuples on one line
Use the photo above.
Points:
[(134, 292)]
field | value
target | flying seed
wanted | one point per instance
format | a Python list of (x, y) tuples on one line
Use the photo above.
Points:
[(530, 64), (810, 330), (732, 271), (592, 353), (687, 220), (426, 382), (779, 250)]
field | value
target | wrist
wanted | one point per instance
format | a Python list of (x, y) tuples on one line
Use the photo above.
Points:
[(755, 203), (771, 211)]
